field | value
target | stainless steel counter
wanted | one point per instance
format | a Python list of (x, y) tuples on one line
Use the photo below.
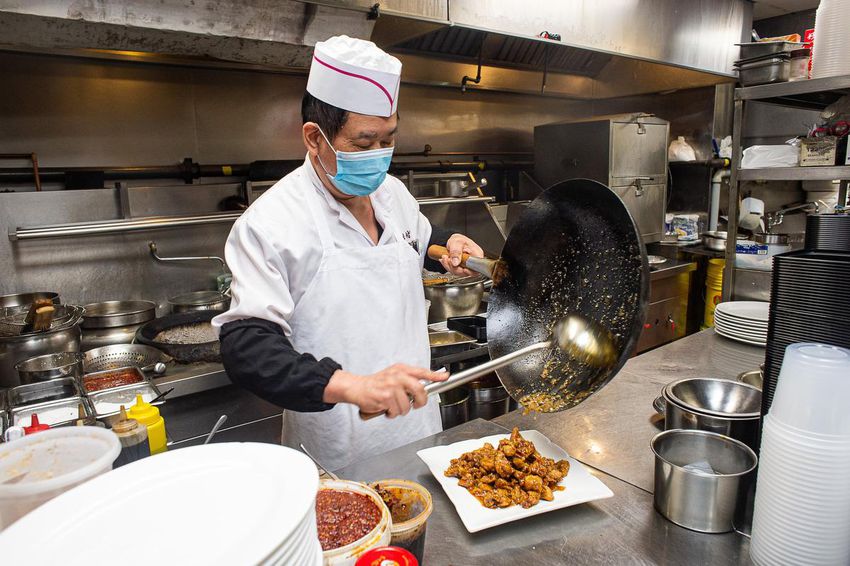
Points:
[(610, 432), (612, 429)]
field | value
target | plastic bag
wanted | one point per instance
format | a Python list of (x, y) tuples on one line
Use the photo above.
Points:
[(758, 156), (680, 150)]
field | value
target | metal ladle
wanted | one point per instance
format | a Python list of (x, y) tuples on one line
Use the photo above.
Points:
[(582, 339)]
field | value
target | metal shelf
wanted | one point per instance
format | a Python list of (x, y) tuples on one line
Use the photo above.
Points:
[(841, 172), (813, 94)]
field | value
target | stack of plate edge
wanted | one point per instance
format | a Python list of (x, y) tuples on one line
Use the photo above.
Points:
[(742, 329)]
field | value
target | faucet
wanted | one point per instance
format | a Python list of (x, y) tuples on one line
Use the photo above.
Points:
[(775, 218)]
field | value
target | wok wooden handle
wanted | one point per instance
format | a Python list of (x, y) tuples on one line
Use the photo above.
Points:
[(435, 252)]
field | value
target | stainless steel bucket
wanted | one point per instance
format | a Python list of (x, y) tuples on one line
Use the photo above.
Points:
[(718, 405), (454, 407), (700, 478), (488, 402)]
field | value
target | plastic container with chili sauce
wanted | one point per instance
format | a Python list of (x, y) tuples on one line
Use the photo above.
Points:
[(379, 536), (410, 506)]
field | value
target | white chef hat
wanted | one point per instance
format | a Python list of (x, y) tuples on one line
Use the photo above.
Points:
[(355, 75)]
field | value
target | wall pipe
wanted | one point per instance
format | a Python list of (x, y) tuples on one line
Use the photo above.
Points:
[(714, 204), (256, 171)]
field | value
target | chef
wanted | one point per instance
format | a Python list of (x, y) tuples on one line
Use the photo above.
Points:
[(328, 311)]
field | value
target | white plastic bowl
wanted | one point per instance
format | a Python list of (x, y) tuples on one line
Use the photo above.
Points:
[(54, 461)]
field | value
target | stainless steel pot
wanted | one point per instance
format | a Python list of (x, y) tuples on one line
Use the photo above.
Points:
[(50, 366), (488, 403), (714, 240), (700, 477), (115, 314), (454, 407), (20, 299), (716, 405), (14, 349), (114, 322), (462, 298), (199, 301)]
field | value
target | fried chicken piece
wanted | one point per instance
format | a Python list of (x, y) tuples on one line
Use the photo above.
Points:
[(512, 474), (503, 467), (532, 483)]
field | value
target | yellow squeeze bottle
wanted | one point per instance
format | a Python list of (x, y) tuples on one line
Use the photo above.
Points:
[(149, 416)]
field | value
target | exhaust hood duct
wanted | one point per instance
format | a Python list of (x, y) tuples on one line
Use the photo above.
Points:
[(610, 48), (462, 44)]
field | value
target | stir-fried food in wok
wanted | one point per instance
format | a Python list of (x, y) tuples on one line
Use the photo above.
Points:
[(515, 473)]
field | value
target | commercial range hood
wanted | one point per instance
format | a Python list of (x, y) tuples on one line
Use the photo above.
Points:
[(606, 49)]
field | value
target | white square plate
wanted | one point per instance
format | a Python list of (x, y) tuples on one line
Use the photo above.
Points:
[(580, 486)]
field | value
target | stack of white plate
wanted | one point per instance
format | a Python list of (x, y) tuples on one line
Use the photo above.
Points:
[(831, 57), (802, 506), (223, 503), (743, 321)]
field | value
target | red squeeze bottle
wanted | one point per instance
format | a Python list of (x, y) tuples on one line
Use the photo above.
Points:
[(35, 426)]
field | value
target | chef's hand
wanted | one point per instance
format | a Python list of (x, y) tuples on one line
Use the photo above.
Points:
[(389, 390), (457, 245)]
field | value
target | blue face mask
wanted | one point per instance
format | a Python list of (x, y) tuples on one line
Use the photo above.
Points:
[(359, 173)]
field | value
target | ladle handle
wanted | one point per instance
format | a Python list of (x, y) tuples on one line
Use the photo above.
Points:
[(471, 374), (482, 265)]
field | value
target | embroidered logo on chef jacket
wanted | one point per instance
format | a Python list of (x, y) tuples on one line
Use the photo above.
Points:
[(414, 242)]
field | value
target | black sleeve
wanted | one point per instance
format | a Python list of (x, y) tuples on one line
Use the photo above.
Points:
[(439, 236), (260, 358)]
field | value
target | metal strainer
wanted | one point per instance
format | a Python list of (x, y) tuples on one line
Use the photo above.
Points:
[(122, 355)]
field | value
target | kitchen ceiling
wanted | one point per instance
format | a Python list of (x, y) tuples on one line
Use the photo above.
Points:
[(770, 8)]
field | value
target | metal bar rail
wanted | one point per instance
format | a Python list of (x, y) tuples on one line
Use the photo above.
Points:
[(122, 226)]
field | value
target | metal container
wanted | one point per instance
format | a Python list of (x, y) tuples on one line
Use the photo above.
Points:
[(114, 314), (454, 407), (699, 478), (14, 349), (771, 239), (757, 49), (125, 395), (766, 71), (488, 402), (114, 322), (714, 240), (50, 366), (754, 377), (717, 405), (43, 392), (462, 298), (448, 342), (122, 355), (20, 299), (47, 412), (199, 301), (136, 372)]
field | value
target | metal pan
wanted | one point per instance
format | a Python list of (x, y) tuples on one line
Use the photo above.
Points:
[(186, 353), (575, 249)]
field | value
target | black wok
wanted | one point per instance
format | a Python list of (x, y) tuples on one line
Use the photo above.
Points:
[(186, 353), (574, 250)]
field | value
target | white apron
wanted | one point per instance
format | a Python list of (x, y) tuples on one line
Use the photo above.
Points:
[(365, 309)]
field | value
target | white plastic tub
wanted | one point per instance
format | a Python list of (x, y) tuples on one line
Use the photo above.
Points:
[(53, 462)]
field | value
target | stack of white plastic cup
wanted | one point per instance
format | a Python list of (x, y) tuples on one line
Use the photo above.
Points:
[(831, 55), (802, 506)]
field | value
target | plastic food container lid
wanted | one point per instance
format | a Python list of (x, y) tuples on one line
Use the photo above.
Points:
[(56, 458), (387, 556)]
